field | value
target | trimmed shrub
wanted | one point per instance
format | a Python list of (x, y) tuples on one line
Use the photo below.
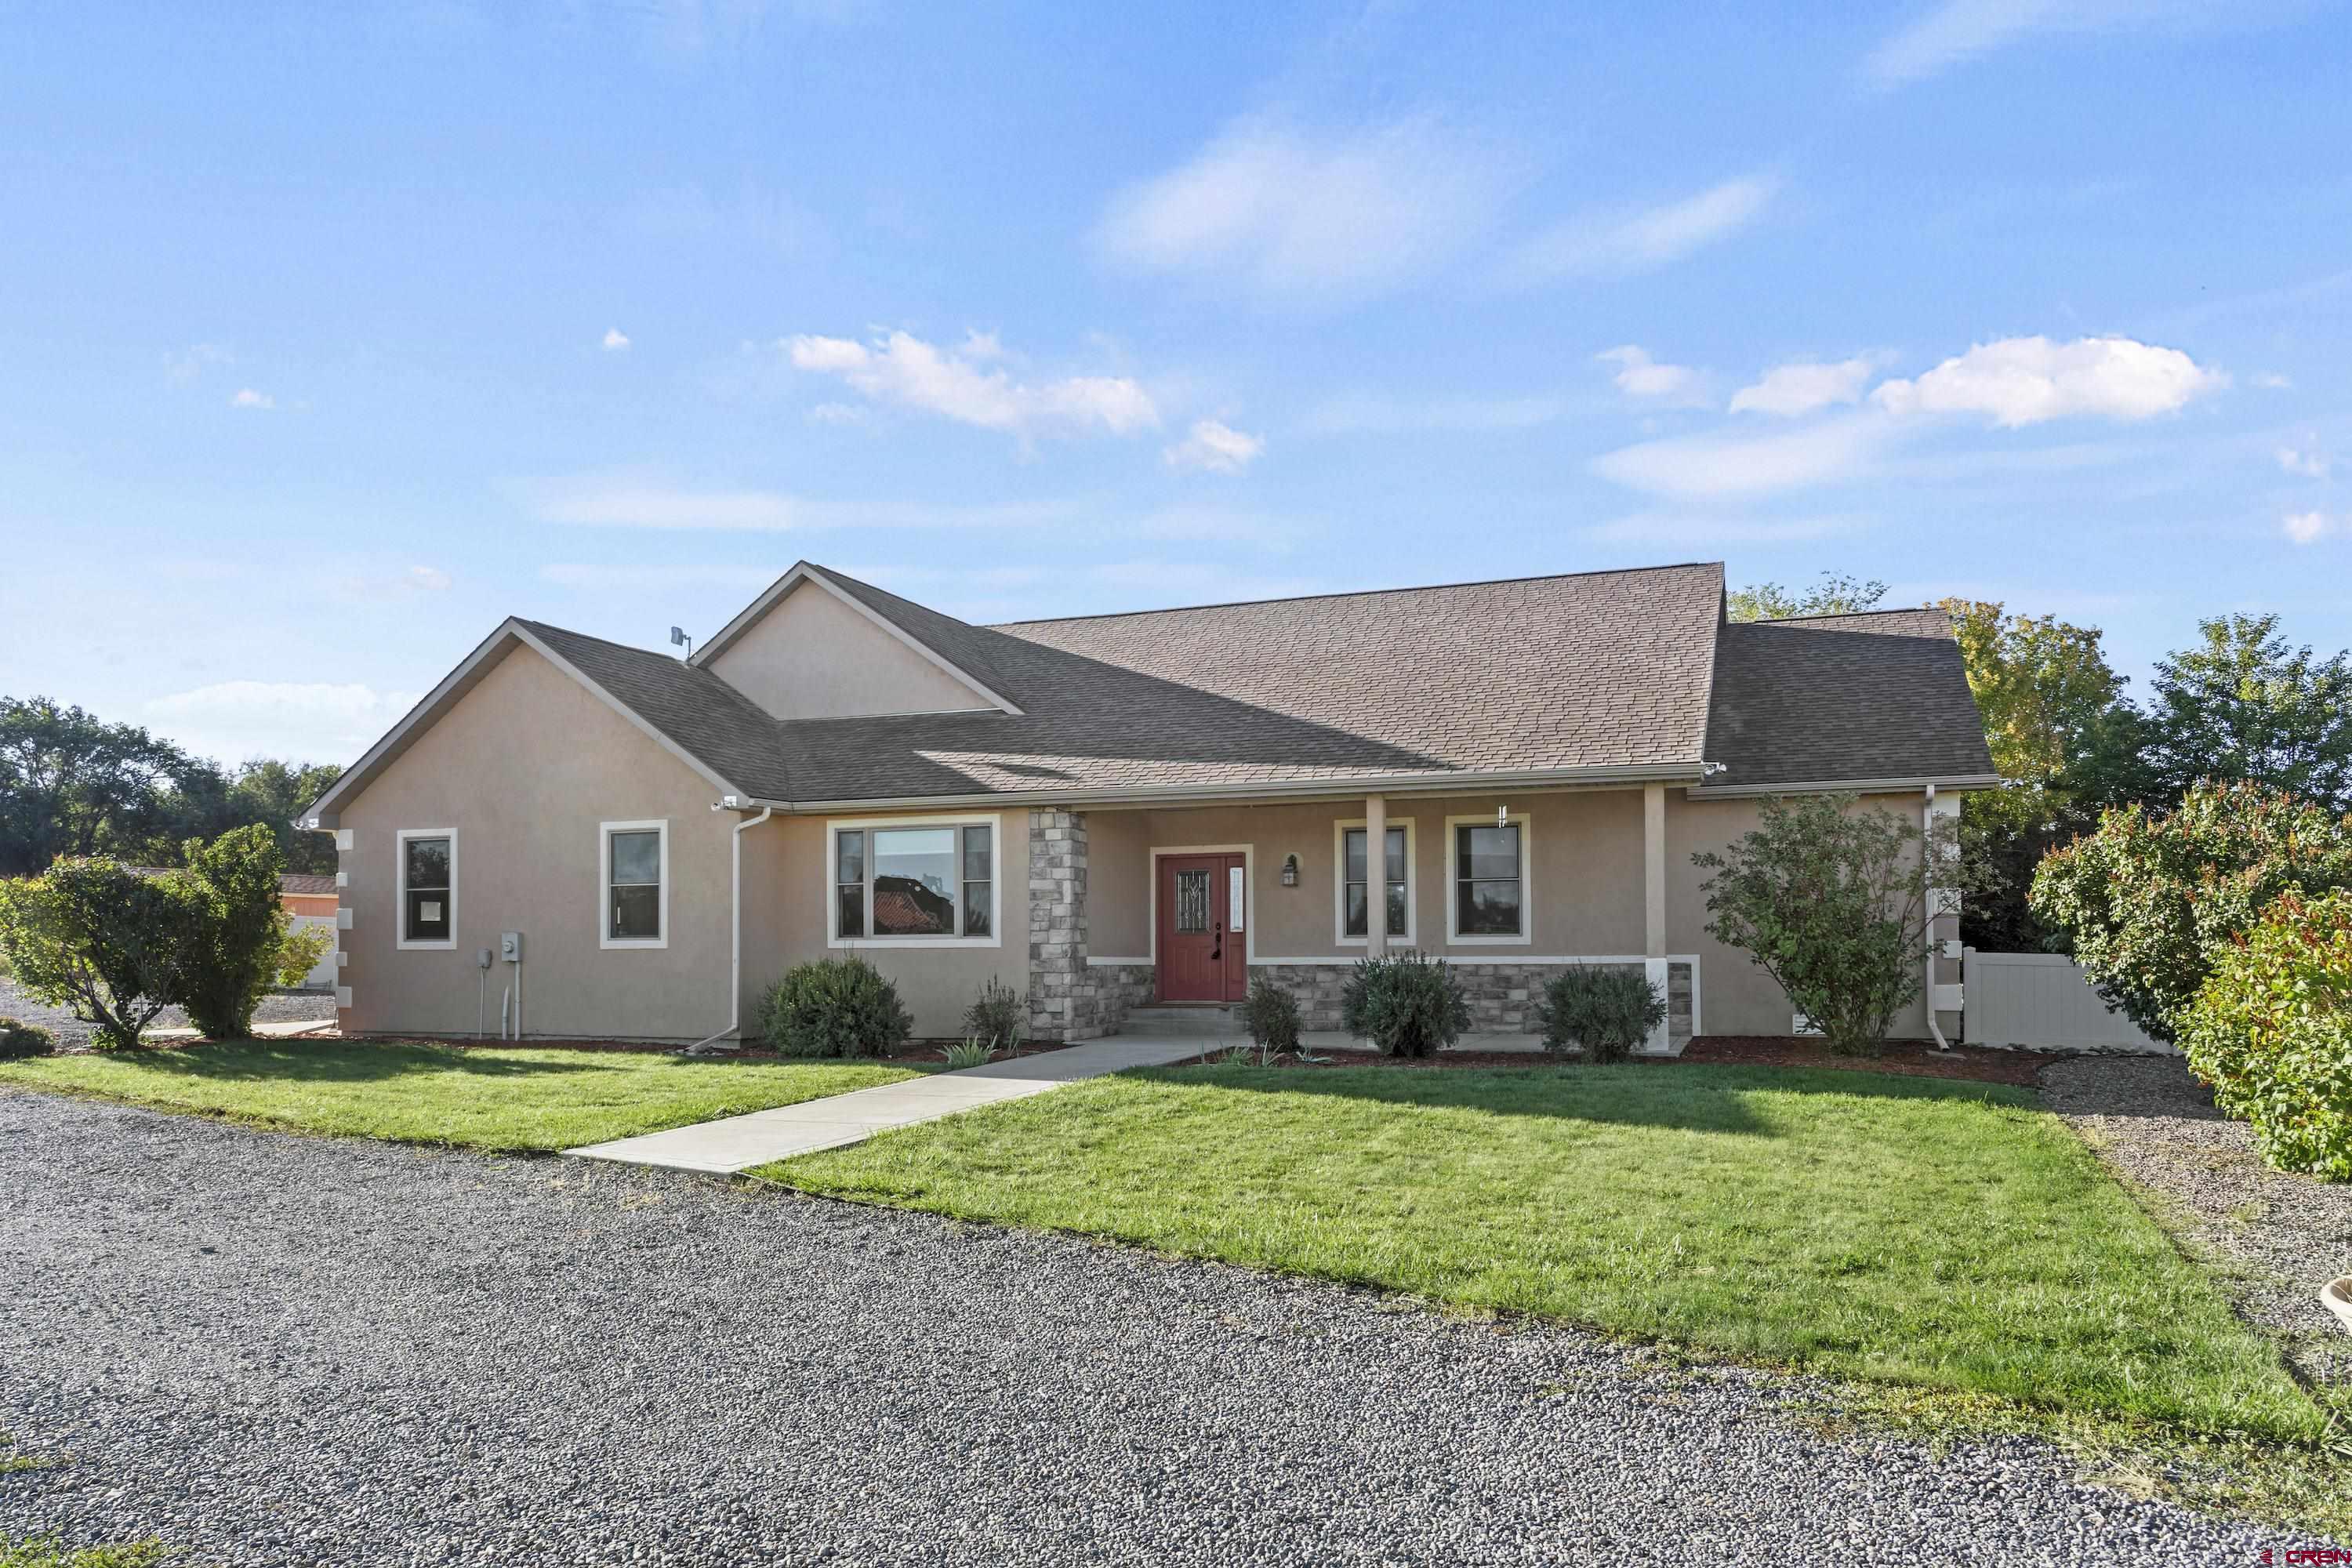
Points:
[(1407, 1006), (1270, 1014), (2272, 1031), (2150, 900), (19, 1039), (1608, 1011), (833, 1007), (1000, 1017)]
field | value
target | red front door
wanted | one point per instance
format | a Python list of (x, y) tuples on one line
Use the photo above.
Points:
[(1204, 914)]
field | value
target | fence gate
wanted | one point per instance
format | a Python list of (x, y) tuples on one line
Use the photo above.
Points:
[(2041, 999)]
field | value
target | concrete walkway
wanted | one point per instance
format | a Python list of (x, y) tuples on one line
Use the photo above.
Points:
[(738, 1142)]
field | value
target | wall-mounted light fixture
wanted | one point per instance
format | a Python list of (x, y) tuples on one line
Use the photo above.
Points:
[(1290, 870)]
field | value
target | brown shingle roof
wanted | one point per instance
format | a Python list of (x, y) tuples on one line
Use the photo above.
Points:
[(305, 883)]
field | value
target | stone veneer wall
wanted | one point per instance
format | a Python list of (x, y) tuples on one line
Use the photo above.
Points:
[(1065, 995), (1121, 987), (1502, 996)]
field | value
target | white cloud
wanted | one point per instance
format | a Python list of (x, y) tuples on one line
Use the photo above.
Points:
[(186, 364), (838, 414), (1960, 30), (1680, 531), (1216, 446), (247, 397), (902, 369), (1312, 218), (1616, 245), (1707, 468), (1790, 390), (431, 579), (2311, 463), (616, 341), (2307, 527), (2271, 380), (2026, 380), (1639, 375), (312, 720), (378, 586)]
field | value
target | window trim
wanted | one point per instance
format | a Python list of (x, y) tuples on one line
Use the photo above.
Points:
[(1340, 882), (1454, 936), (400, 937), (835, 825), (604, 831)]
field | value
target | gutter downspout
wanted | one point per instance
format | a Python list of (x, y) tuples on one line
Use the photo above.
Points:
[(735, 904), (1927, 845)]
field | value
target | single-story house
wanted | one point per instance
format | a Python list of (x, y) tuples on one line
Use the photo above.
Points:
[(1108, 810)]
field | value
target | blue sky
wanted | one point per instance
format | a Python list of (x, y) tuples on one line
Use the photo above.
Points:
[(328, 340)]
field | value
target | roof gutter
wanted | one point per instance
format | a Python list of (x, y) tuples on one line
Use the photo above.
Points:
[(1318, 788), (1912, 786)]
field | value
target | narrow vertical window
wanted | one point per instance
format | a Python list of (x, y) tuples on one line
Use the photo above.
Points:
[(633, 898), (1357, 874), (849, 882), (426, 889), (979, 875)]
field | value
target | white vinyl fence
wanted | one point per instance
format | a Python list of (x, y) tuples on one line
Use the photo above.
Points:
[(2041, 999), (322, 975)]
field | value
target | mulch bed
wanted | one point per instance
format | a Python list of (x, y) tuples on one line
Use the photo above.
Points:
[(1901, 1057)]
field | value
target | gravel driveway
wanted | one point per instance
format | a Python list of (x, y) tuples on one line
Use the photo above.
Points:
[(269, 1349), (279, 1007), (2287, 1235)]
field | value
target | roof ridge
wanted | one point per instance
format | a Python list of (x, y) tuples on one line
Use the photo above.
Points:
[(608, 642), (1346, 593)]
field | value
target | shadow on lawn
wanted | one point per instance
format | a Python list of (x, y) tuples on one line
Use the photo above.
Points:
[(1693, 1099), (254, 1061)]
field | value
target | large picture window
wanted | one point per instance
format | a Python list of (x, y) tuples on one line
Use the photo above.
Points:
[(923, 882), (1490, 880), (1357, 884), (427, 875), (634, 862)]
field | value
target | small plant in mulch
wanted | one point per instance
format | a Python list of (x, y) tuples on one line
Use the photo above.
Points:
[(833, 1007), (1000, 1017), (1608, 1011), (967, 1053), (1270, 1014), (1407, 1006)]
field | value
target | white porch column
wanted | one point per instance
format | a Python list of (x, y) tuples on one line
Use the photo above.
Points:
[(1376, 876), (1653, 904)]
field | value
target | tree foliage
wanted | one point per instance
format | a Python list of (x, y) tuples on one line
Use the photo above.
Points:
[(246, 942), (2271, 1030), (1832, 899), (1836, 594), (2245, 705), (97, 938), (73, 785), (2151, 898)]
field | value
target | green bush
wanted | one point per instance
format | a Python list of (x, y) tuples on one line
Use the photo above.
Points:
[(1000, 1017), (1609, 1012), (1831, 901), (833, 1007), (106, 943), (19, 1039), (1270, 1014), (2271, 1030), (246, 942), (971, 1052), (2149, 902), (1407, 1006)]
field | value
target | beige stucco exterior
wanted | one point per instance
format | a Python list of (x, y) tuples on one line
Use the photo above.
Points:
[(523, 769), (813, 656)]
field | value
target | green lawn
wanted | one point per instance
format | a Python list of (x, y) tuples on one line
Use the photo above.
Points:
[(491, 1098), (1903, 1230)]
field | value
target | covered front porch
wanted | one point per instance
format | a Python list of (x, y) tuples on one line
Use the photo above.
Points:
[(1149, 920)]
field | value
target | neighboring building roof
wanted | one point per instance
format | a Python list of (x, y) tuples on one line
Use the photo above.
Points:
[(1600, 675), (302, 884), (1826, 698)]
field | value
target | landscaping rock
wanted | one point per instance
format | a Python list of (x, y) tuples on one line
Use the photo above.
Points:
[(274, 1349)]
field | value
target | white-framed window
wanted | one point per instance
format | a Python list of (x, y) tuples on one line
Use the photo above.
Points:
[(1359, 888), (633, 883), (1489, 886), (919, 882), (424, 882)]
